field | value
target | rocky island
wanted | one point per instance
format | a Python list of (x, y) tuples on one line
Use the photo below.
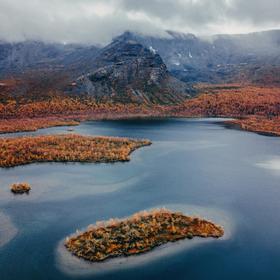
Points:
[(138, 234), (20, 188), (66, 148)]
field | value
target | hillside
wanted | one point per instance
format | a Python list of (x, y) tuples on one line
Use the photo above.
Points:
[(134, 76), (127, 72), (17, 59), (253, 57)]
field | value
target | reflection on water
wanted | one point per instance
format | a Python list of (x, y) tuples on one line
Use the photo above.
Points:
[(48, 181), (7, 230), (272, 164)]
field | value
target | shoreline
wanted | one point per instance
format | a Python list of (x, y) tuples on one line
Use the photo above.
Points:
[(238, 125), (139, 233), (73, 266), (23, 150), (230, 122)]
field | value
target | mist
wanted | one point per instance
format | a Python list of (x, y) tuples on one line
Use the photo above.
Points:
[(96, 21)]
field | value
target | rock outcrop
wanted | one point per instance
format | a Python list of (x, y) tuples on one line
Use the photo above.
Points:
[(125, 71)]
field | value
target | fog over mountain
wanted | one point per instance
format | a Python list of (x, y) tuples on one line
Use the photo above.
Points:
[(68, 37), (253, 57), (97, 21)]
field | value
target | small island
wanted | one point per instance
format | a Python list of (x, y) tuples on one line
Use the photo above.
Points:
[(20, 188), (66, 148), (138, 234)]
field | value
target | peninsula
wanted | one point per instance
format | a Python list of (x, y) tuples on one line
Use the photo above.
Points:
[(66, 148)]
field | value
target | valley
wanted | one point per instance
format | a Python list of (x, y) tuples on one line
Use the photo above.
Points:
[(138, 76), (64, 108), (256, 108), (139, 140)]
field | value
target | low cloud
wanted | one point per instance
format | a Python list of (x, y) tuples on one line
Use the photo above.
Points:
[(97, 21)]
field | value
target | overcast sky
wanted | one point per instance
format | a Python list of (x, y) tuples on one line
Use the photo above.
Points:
[(97, 21)]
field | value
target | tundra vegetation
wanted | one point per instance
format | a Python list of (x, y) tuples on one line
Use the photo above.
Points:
[(268, 126), (256, 108), (20, 188), (66, 148), (138, 234), (21, 125)]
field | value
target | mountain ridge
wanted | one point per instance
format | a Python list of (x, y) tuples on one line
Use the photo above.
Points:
[(180, 61), (219, 58)]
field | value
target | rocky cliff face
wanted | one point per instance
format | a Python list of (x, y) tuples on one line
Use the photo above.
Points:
[(126, 71)]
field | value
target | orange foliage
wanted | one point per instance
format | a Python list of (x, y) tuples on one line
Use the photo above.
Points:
[(138, 234), (215, 100), (20, 188), (232, 101), (66, 111), (64, 106), (66, 148), (18, 125), (23, 114), (258, 107), (269, 126)]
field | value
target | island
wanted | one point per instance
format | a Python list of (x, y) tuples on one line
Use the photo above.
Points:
[(66, 148), (138, 234), (20, 188)]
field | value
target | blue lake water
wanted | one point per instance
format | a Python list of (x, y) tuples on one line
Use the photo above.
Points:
[(194, 165)]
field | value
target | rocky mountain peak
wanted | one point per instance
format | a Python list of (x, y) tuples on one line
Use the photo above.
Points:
[(126, 71)]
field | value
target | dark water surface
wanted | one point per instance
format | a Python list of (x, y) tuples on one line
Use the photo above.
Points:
[(230, 176)]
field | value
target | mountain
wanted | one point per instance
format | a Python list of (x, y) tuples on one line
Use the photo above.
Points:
[(19, 58), (141, 68), (253, 57), (126, 71)]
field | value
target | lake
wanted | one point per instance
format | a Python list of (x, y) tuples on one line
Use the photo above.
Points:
[(194, 165)]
